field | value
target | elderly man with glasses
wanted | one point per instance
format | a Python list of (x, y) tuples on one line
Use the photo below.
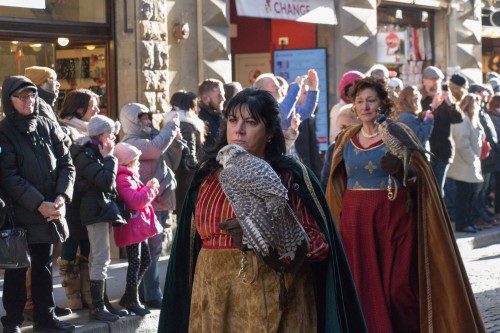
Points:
[(37, 176)]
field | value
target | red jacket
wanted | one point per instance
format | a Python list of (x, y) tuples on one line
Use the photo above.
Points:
[(138, 197)]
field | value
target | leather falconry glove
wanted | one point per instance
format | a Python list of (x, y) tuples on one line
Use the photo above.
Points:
[(232, 227)]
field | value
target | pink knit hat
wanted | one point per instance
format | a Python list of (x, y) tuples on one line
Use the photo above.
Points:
[(348, 78), (126, 153)]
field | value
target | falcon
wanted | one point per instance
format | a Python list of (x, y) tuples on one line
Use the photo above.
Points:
[(260, 202), (399, 142)]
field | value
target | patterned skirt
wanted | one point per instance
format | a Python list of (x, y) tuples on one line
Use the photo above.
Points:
[(222, 302)]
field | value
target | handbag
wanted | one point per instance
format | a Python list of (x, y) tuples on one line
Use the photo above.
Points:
[(14, 253), (485, 150)]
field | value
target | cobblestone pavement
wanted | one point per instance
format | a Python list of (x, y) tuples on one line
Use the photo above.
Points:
[(483, 268)]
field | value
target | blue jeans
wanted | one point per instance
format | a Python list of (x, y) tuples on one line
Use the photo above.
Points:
[(440, 169), (480, 194), (464, 204), (450, 196), (150, 286)]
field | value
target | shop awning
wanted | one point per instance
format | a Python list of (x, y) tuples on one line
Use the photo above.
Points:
[(312, 11), (436, 4)]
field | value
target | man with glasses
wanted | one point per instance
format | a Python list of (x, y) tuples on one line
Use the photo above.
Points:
[(45, 79), (442, 104), (37, 175)]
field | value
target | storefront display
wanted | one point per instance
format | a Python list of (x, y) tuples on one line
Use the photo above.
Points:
[(72, 37), (404, 41)]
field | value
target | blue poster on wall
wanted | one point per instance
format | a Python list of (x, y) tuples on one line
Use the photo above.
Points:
[(292, 63)]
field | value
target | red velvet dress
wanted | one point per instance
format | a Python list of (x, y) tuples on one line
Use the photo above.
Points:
[(379, 238)]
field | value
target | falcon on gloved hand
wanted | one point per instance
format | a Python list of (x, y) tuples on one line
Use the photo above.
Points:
[(260, 202), (399, 142)]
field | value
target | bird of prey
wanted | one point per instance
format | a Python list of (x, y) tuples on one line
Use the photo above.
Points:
[(260, 202), (399, 142)]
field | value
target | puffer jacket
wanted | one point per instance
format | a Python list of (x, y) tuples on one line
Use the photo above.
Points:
[(95, 184), (153, 164), (76, 130), (35, 166), (138, 197)]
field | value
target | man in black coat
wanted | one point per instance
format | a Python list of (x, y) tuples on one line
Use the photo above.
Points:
[(37, 175), (211, 96), (446, 113), (45, 79)]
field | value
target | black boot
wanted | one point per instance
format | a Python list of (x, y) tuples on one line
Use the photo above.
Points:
[(97, 309), (112, 309), (131, 302)]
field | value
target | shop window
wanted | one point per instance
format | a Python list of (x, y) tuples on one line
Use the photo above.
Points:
[(16, 56), (404, 41), (89, 11), (82, 67)]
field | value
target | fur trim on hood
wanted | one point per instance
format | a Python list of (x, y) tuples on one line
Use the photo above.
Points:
[(186, 117), (131, 124)]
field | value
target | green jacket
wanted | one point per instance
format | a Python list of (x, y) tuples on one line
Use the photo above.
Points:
[(337, 302)]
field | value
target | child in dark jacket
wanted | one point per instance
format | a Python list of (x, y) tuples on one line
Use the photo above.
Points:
[(141, 225), (96, 169)]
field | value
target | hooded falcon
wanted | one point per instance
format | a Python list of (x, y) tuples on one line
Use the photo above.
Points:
[(398, 141), (260, 202)]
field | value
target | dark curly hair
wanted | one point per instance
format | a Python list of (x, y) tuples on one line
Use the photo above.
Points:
[(264, 108), (380, 88)]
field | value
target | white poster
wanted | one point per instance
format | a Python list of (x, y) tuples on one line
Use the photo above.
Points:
[(36, 4), (312, 11), (391, 47), (248, 66), (291, 63)]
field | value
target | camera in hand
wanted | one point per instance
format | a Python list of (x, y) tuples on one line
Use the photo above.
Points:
[(444, 87)]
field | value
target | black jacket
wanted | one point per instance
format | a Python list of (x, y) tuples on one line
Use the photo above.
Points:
[(307, 147), (95, 184), (441, 142), (213, 121), (35, 164)]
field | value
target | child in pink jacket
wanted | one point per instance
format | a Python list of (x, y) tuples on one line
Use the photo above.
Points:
[(141, 225)]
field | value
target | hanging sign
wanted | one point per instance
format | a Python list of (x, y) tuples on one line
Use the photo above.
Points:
[(312, 11), (391, 47), (36, 4)]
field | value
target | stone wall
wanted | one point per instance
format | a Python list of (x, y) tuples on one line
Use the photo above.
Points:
[(153, 54)]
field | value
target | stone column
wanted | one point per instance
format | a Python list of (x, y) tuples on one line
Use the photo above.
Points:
[(354, 43), (142, 53), (464, 46)]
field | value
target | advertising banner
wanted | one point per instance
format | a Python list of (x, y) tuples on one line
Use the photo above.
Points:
[(292, 63), (312, 11)]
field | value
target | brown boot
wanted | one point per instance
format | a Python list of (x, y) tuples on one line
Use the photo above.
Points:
[(85, 281), (70, 280), (28, 307)]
